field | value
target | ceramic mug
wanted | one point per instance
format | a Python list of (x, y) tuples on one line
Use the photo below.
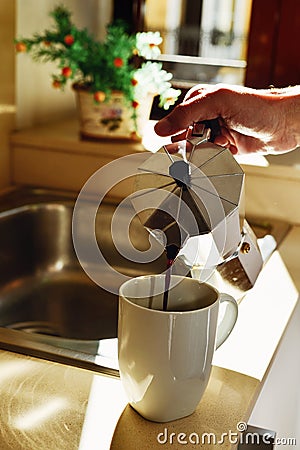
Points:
[(165, 356)]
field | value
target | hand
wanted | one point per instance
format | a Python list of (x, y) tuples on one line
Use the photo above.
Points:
[(251, 120)]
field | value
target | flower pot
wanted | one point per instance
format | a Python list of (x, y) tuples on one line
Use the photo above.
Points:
[(112, 118)]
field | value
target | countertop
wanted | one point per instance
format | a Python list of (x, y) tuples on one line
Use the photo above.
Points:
[(52, 406)]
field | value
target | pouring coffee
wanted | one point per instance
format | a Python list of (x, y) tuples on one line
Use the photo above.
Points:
[(190, 196)]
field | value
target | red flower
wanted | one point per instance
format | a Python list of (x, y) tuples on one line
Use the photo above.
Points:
[(118, 62), (21, 47), (99, 96), (135, 104), (56, 84), (134, 136), (66, 71), (133, 81), (69, 39)]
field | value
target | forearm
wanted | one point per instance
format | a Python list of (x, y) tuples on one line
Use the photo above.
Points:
[(293, 114), (289, 99)]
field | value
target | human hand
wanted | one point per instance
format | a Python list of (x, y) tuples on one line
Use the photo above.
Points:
[(251, 120)]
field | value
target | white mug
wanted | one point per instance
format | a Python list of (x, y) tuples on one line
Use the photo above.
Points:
[(165, 356)]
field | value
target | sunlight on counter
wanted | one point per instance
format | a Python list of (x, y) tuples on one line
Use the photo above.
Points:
[(34, 417), (99, 424), (263, 316), (13, 368)]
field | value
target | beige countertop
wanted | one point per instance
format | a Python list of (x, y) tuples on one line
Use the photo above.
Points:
[(46, 405)]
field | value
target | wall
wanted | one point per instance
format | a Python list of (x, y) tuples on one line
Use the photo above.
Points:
[(38, 102), (7, 92), (27, 84)]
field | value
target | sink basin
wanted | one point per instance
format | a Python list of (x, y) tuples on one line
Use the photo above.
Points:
[(49, 307)]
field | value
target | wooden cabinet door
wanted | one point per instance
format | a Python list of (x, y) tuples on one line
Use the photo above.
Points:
[(274, 44)]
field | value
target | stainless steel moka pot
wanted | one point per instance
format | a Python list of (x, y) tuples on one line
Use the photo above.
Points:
[(190, 197)]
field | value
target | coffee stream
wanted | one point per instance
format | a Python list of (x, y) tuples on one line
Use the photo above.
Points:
[(171, 251)]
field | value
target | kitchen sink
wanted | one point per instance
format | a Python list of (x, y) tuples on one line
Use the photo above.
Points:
[(49, 306)]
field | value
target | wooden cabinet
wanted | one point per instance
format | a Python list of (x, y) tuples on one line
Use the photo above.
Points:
[(273, 47)]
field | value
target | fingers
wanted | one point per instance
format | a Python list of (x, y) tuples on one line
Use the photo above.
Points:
[(172, 123), (179, 137), (200, 105), (198, 89), (183, 116), (233, 149), (243, 144), (222, 141)]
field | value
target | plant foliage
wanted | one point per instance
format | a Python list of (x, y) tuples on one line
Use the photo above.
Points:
[(122, 62)]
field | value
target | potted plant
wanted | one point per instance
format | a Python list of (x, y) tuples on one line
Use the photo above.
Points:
[(115, 79)]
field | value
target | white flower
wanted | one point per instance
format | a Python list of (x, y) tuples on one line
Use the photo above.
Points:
[(151, 73), (147, 44), (151, 78), (169, 97)]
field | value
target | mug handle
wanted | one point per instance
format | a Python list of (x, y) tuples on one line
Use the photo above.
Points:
[(228, 321)]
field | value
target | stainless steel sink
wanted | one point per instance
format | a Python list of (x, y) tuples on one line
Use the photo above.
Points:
[(49, 307)]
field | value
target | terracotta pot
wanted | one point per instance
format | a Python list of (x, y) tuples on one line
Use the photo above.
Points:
[(110, 119)]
